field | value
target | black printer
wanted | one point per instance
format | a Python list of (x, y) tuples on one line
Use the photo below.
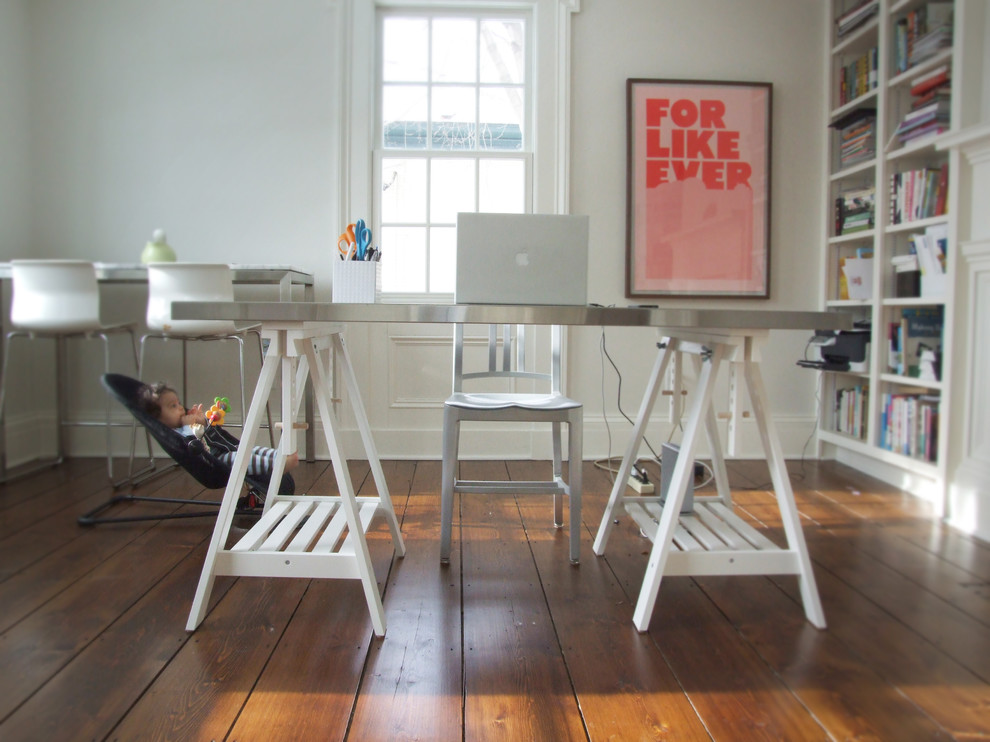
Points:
[(842, 350)]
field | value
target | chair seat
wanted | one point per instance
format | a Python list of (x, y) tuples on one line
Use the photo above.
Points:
[(68, 327), (494, 401)]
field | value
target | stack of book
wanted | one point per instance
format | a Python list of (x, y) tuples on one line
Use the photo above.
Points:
[(856, 17), (857, 136), (858, 77), (909, 425), (930, 101), (854, 210), (921, 33), (918, 194), (850, 410)]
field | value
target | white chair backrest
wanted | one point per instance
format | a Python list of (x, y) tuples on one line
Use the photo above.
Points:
[(54, 296), (168, 282), (507, 358)]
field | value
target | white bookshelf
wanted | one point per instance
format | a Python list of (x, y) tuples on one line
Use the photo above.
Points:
[(891, 98)]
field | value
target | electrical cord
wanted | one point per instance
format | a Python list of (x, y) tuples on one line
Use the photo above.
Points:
[(638, 472)]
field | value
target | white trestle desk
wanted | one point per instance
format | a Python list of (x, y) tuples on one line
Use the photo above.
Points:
[(710, 540)]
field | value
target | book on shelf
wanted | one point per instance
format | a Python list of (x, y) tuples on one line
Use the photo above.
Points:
[(859, 76), (854, 210), (918, 330), (857, 136), (909, 424), (851, 410), (931, 80), (930, 44), (931, 248), (928, 115), (918, 194), (856, 17), (920, 33)]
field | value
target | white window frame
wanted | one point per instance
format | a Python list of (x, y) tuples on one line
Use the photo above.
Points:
[(549, 134)]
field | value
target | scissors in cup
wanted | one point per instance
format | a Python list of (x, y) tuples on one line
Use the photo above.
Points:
[(346, 243), (362, 238)]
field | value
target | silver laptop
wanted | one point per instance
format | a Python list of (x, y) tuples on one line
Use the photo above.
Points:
[(521, 259)]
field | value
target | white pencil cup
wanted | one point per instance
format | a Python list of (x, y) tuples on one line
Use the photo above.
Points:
[(357, 281)]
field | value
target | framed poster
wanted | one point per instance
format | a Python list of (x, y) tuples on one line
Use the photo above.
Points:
[(698, 202)]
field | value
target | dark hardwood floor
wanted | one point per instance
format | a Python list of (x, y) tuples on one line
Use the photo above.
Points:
[(509, 642)]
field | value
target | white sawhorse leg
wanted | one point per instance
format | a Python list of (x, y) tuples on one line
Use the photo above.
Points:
[(302, 535), (712, 541)]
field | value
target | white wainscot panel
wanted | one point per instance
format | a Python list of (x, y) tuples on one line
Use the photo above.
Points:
[(419, 371)]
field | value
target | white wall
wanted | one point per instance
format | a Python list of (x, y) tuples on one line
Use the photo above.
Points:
[(777, 41), (219, 122), (214, 120), (15, 141)]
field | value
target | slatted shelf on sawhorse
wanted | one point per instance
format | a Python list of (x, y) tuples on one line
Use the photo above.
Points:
[(315, 536), (712, 540)]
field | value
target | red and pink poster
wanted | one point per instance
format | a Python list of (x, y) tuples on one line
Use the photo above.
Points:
[(699, 189)]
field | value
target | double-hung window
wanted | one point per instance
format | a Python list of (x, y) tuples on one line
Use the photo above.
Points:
[(454, 134)]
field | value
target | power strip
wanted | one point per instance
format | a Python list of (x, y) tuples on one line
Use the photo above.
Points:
[(643, 488)]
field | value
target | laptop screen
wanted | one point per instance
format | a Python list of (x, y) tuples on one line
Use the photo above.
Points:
[(521, 259)]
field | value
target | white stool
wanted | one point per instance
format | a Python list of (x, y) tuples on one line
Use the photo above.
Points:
[(168, 282), (59, 299)]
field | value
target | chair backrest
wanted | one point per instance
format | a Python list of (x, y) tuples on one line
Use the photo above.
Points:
[(507, 358), (168, 282), (54, 295)]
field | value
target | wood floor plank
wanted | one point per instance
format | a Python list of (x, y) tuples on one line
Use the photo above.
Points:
[(411, 689), (80, 613), (943, 688), (841, 689), (307, 687), (734, 691), (542, 650), (18, 490), (84, 549), (98, 686), (945, 625), (202, 690), (626, 690), (50, 501), (515, 682)]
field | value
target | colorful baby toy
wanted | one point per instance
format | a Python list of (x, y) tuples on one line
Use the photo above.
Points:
[(215, 415)]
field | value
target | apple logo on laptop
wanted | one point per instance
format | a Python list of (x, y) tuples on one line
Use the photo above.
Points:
[(522, 259)]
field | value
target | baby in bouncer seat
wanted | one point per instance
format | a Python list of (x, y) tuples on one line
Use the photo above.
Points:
[(162, 402)]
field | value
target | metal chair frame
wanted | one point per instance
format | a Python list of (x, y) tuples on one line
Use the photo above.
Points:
[(547, 407)]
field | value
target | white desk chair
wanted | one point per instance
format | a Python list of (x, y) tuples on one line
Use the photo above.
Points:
[(59, 300), (546, 406), (168, 282)]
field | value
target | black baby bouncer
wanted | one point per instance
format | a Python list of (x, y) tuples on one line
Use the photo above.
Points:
[(191, 454)]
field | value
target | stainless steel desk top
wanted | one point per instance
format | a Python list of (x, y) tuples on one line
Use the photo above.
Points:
[(709, 320)]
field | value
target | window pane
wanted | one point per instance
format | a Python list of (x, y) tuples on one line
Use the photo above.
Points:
[(455, 55), (500, 116), (502, 186), (443, 243), (405, 49), (403, 259), (453, 117), (403, 190), (404, 116), (451, 189), (501, 51)]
